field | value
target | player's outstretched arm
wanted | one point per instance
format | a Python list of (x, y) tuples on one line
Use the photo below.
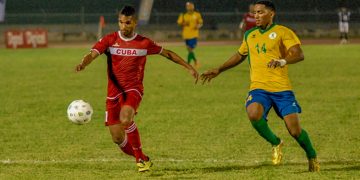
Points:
[(233, 61), (86, 60), (294, 55), (178, 60)]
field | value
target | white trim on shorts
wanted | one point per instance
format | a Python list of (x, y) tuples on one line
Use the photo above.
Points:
[(117, 96), (106, 116)]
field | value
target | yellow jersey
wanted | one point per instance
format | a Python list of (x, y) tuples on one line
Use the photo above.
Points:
[(192, 22), (260, 47)]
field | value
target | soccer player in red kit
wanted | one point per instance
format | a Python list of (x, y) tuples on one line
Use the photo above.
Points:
[(126, 54), (248, 20)]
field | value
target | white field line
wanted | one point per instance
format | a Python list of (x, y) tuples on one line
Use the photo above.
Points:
[(69, 161), (53, 161)]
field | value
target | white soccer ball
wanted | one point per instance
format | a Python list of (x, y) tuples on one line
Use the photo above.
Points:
[(79, 112)]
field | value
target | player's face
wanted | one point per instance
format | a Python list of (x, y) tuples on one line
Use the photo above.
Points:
[(127, 25), (190, 7), (263, 15)]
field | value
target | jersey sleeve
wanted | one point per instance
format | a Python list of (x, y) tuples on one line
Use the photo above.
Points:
[(243, 50), (153, 48), (200, 19), (180, 19), (290, 39), (102, 45)]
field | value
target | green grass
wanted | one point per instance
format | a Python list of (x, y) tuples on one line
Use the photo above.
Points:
[(190, 131)]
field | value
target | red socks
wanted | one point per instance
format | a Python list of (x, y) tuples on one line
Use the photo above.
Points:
[(126, 147), (134, 140)]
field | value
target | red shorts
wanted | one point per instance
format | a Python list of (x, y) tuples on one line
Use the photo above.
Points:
[(113, 106)]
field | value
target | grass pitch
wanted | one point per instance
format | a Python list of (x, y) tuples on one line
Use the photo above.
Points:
[(190, 131)]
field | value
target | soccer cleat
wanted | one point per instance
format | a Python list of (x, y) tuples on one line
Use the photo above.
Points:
[(314, 165), (277, 154), (144, 165)]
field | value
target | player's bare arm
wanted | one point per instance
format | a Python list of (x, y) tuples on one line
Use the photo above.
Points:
[(295, 54), (233, 61), (86, 60), (178, 60)]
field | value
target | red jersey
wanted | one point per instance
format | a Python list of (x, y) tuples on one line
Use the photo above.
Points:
[(249, 21), (128, 58)]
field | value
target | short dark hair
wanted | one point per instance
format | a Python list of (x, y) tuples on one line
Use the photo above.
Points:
[(268, 4), (127, 11)]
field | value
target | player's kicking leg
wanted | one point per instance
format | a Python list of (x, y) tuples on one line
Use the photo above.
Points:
[(302, 137), (127, 114), (124, 133), (116, 129), (255, 112)]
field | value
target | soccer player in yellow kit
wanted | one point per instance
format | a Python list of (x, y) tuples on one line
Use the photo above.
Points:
[(269, 48), (191, 22)]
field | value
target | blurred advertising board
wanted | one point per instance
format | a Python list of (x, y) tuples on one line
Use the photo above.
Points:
[(30, 38)]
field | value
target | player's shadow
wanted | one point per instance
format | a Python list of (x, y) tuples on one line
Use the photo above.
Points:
[(234, 168), (342, 166), (345, 165), (347, 168), (223, 168)]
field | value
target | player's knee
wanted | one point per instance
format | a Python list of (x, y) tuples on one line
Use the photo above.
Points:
[(255, 111), (254, 114), (126, 115), (125, 121), (126, 118)]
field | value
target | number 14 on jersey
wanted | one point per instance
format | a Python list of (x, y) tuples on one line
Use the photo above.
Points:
[(261, 49)]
